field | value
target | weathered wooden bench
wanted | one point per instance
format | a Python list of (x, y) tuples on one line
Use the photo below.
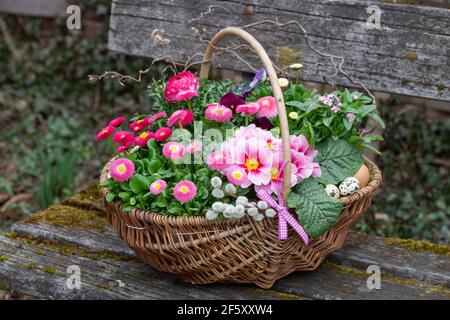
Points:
[(408, 55), (36, 255)]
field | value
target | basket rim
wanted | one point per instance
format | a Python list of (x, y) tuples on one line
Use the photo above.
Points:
[(150, 216)]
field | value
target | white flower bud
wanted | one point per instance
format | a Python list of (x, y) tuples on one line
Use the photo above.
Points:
[(242, 200), (296, 66), (270, 213), (258, 217), (230, 188), (240, 209), (216, 182), (229, 209), (283, 82), (218, 206), (262, 205), (217, 193), (252, 211), (211, 215)]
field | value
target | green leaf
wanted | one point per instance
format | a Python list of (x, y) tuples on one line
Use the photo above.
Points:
[(154, 165), (348, 124), (138, 183), (125, 196), (110, 197), (297, 104), (327, 121), (378, 119), (338, 160), (369, 147), (365, 110), (316, 210)]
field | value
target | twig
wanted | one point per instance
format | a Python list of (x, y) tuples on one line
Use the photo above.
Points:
[(15, 53), (17, 198)]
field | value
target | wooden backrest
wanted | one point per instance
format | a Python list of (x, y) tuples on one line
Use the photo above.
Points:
[(409, 54)]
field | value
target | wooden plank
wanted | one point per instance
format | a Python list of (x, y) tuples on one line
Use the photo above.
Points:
[(36, 8), (40, 270), (409, 55), (359, 252)]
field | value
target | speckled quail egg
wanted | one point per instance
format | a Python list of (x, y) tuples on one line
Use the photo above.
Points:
[(349, 186), (332, 191)]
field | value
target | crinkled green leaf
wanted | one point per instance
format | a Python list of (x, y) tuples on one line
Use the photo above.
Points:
[(338, 160), (316, 210), (138, 183)]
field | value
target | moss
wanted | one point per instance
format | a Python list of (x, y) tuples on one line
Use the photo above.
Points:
[(287, 55), (278, 295), (71, 217), (26, 264), (53, 271), (419, 245), (104, 287), (440, 86), (411, 55), (389, 278), (89, 199), (404, 82), (3, 258), (68, 249)]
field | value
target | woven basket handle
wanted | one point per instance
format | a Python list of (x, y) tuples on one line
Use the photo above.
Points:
[(278, 94)]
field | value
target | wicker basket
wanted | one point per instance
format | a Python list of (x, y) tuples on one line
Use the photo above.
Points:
[(234, 250)]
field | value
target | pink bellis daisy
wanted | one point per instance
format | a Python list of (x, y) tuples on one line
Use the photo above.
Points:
[(140, 124), (247, 109), (267, 107), (194, 147), (125, 146), (180, 118), (218, 160), (157, 187), (158, 116), (121, 169), (105, 133), (163, 134), (218, 113), (117, 122), (173, 150), (122, 137), (184, 191), (142, 139)]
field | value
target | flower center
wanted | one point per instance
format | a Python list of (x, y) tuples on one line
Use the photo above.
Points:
[(252, 164), (218, 111), (266, 103), (157, 186), (144, 135), (184, 189), (237, 175), (121, 168), (270, 144), (173, 148), (274, 173), (105, 131)]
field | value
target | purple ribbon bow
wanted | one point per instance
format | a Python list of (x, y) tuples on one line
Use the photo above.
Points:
[(284, 217)]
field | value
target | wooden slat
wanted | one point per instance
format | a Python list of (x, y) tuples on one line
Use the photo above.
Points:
[(37, 8), (40, 270), (409, 55)]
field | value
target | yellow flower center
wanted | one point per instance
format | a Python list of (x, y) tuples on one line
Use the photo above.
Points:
[(105, 131), (252, 164), (144, 135), (173, 148), (266, 103), (184, 189), (121, 168), (140, 121), (157, 186), (270, 145), (274, 173), (237, 175), (218, 111)]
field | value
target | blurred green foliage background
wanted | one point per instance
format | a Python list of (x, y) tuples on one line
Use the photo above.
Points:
[(50, 113)]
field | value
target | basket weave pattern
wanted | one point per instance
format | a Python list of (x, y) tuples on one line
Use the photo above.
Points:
[(237, 250), (234, 250)]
